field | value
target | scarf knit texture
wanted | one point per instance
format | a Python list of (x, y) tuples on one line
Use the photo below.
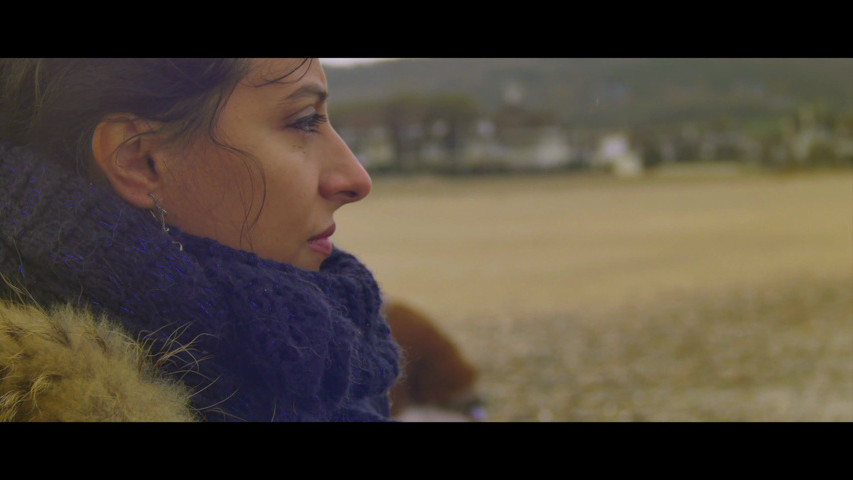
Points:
[(267, 341)]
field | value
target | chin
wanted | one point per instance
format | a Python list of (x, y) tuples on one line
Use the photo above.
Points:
[(309, 267), (303, 259), (310, 263)]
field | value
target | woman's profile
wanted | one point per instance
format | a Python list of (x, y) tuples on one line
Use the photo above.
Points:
[(174, 217)]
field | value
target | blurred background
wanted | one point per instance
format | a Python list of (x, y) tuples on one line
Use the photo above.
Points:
[(616, 239)]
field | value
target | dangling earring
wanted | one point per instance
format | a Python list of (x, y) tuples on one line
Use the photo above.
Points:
[(161, 213)]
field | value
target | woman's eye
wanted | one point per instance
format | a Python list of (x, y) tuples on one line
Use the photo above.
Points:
[(309, 123)]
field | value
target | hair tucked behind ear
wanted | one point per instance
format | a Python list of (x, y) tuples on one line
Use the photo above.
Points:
[(53, 105)]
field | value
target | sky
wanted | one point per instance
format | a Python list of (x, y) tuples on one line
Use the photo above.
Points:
[(350, 61)]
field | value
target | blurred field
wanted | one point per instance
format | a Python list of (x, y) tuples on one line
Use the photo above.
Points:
[(675, 297)]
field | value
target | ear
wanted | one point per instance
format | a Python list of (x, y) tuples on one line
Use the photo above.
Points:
[(125, 153)]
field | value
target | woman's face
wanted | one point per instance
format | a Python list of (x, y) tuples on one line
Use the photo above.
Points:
[(280, 202)]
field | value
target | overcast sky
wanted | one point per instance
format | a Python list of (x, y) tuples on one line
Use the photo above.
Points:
[(350, 61)]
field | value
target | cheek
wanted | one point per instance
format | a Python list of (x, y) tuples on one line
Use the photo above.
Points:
[(292, 213), (212, 200), (287, 211)]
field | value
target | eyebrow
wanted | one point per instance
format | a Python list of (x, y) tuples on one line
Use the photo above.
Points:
[(309, 90)]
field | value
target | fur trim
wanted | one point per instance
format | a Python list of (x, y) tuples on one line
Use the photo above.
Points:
[(66, 365)]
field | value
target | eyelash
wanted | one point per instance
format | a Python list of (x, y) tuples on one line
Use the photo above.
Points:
[(309, 123)]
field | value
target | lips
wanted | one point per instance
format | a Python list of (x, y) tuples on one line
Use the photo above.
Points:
[(322, 243)]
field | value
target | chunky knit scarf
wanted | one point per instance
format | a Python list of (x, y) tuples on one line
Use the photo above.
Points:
[(266, 341)]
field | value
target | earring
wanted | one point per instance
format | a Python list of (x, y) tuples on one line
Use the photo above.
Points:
[(161, 213)]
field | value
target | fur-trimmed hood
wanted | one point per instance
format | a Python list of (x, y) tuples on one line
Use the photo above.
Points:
[(66, 365)]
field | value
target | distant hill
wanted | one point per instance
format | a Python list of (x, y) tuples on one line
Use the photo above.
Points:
[(590, 92)]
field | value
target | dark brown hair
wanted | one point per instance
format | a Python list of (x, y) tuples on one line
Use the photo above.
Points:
[(53, 105)]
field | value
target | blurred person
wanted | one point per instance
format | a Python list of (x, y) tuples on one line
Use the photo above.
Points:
[(165, 246)]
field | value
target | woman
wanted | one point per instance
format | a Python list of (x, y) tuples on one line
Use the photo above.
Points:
[(191, 202)]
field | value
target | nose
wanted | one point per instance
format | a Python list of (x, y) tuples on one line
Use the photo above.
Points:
[(344, 180)]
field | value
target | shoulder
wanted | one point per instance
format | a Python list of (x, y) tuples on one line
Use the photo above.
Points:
[(65, 364)]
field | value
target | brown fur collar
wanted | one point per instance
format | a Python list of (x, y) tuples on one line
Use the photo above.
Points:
[(66, 365)]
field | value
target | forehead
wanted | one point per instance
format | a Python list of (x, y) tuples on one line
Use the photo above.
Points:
[(271, 90), (284, 71)]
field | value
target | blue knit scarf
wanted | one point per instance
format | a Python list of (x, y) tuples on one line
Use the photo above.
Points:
[(268, 341)]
